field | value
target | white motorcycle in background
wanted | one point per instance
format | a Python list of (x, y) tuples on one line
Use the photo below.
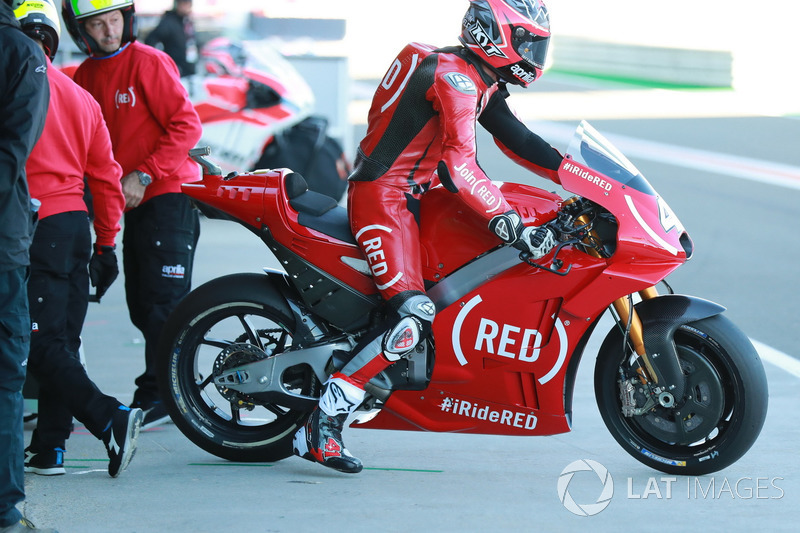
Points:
[(256, 112)]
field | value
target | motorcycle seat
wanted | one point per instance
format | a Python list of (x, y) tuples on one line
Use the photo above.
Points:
[(317, 211)]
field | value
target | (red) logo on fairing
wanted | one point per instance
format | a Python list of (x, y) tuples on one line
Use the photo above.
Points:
[(507, 340)]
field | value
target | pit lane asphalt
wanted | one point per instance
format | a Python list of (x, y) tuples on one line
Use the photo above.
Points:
[(413, 481)]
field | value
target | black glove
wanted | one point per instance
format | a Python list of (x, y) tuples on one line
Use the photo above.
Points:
[(536, 240), (103, 269)]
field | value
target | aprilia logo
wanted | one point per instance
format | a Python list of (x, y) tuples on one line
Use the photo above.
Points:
[(521, 73), (176, 271)]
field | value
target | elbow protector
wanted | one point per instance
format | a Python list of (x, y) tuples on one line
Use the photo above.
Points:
[(507, 226)]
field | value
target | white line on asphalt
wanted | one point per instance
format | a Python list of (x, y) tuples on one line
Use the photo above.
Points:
[(729, 165), (781, 360)]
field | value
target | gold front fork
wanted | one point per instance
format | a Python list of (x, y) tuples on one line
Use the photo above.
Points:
[(636, 334), (626, 313)]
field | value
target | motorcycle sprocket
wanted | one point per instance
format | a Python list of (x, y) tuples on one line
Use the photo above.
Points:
[(237, 354)]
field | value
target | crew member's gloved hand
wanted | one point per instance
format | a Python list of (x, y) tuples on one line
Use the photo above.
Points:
[(103, 269), (537, 240)]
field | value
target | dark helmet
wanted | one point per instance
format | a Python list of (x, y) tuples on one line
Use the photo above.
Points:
[(75, 12), (39, 20), (509, 36)]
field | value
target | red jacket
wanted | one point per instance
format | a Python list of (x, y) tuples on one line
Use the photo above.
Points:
[(74, 144), (152, 123)]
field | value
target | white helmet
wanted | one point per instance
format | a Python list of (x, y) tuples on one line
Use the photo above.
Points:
[(76, 11)]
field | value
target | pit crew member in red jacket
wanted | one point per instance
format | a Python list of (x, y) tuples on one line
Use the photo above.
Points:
[(153, 125), (74, 144)]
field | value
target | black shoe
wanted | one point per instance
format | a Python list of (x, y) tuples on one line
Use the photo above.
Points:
[(154, 413), (24, 525), (120, 438), (46, 463), (320, 441)]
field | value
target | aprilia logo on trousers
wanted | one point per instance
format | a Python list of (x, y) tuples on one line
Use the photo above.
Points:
[(176, 271)]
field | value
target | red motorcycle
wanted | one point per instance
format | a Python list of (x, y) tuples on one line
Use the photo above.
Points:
[(682, 389)]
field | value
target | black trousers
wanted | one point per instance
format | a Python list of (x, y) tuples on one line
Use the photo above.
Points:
[(159, 241), (58, 295), (14, 345)]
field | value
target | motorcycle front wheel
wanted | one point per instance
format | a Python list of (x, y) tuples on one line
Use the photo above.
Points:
[(227, 322), (719, 417)]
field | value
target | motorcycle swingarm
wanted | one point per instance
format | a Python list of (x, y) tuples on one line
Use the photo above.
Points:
[(661, 317), (263, 379)]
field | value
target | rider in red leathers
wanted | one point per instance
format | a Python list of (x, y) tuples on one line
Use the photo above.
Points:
[(421, 133)]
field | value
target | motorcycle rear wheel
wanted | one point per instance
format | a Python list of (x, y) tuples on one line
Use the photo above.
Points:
[(716, 422), (225, 322)]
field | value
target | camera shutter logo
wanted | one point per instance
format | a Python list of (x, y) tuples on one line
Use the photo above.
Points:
[(585, 509)]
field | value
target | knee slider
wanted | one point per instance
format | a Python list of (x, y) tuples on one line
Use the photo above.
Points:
[(415, 324)]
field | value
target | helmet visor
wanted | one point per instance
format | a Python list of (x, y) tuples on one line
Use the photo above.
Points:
[(530, 47)]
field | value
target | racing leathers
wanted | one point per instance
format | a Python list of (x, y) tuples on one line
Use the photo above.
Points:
[(420, 133), (421, 130)]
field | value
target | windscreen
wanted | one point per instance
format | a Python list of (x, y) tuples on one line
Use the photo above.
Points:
[(588, 147)]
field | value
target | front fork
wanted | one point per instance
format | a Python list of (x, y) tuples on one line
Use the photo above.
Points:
[(627, 314)]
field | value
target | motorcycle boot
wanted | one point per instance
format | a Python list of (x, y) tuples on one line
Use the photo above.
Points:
[(320, 439)]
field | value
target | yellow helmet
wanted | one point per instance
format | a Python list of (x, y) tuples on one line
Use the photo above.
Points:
[(39, 20)]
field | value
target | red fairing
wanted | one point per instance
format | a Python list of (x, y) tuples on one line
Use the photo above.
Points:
[(259, 200), (226, 94), (507, 334), (502, 350), (649, 232), (444, 221)]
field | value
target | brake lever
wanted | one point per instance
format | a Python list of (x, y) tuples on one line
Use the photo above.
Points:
[(525, 257)]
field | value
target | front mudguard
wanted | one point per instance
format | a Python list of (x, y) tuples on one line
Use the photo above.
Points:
[(661, 317)]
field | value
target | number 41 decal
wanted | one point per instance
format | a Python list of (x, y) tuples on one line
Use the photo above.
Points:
[(669, 220)]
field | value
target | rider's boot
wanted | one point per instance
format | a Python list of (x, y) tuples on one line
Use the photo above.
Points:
[(320, 439)]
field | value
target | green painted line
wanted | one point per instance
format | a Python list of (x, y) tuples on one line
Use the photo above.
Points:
[(270, 465), (406, 470), (637, 82), (231, 464), (86, 460)]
